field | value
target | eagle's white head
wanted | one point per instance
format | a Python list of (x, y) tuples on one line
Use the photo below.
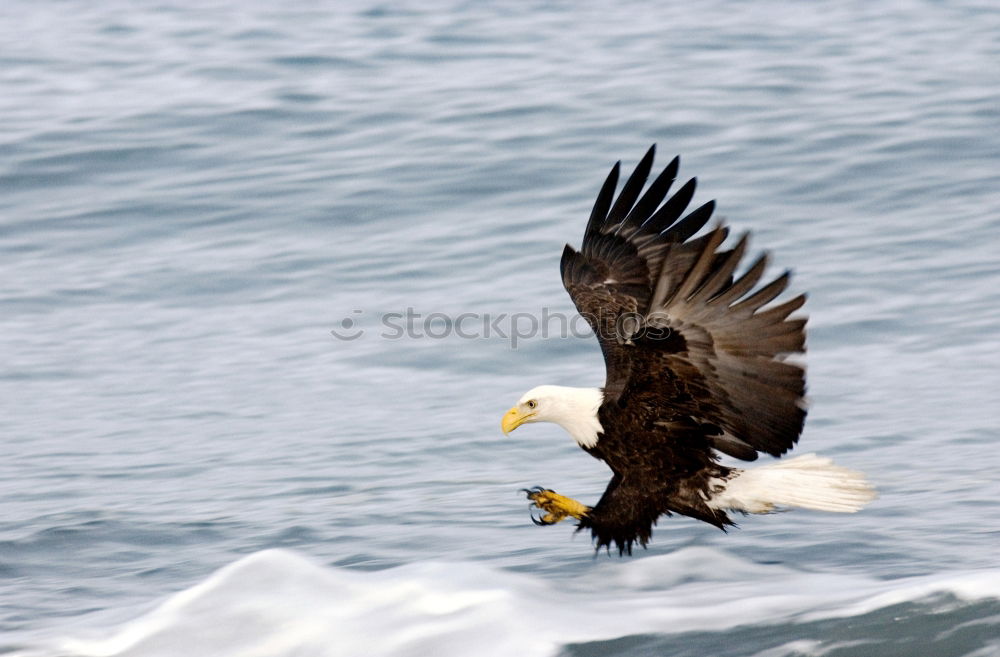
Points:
[(574, 409)]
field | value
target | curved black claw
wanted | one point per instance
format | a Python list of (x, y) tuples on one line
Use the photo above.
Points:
[(531, 493), (541, 522), (535, 490)]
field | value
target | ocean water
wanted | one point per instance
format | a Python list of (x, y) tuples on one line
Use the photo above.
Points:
[(195, 196)]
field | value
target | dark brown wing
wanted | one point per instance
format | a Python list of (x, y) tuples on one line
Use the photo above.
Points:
[(681, 336)]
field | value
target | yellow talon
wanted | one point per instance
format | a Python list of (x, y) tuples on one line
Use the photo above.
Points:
[(557, 507)]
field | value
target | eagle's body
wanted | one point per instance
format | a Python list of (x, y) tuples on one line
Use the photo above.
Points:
[(696, 365)]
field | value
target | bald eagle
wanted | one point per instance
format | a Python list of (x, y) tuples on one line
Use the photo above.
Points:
[(696, 366)]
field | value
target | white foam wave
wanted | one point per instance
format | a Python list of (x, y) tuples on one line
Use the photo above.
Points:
[(277, 602)]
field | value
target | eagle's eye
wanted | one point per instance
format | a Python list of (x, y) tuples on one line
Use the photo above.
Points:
[(532, 403)]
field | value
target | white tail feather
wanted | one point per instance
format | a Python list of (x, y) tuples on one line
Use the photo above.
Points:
[(807, 482)]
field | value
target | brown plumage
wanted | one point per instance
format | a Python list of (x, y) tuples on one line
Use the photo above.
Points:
[(695, 356)]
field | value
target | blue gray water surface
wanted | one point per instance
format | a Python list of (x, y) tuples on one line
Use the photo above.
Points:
[(194, 195)]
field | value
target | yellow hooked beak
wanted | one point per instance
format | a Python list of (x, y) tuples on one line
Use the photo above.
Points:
[(513, 418)]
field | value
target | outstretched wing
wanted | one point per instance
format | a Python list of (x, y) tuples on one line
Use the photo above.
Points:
[(685, 342)]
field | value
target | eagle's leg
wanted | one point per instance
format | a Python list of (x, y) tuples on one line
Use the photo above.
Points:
[(557, 507)]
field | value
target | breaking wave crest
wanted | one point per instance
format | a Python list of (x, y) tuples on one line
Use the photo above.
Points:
[(278, 602)]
